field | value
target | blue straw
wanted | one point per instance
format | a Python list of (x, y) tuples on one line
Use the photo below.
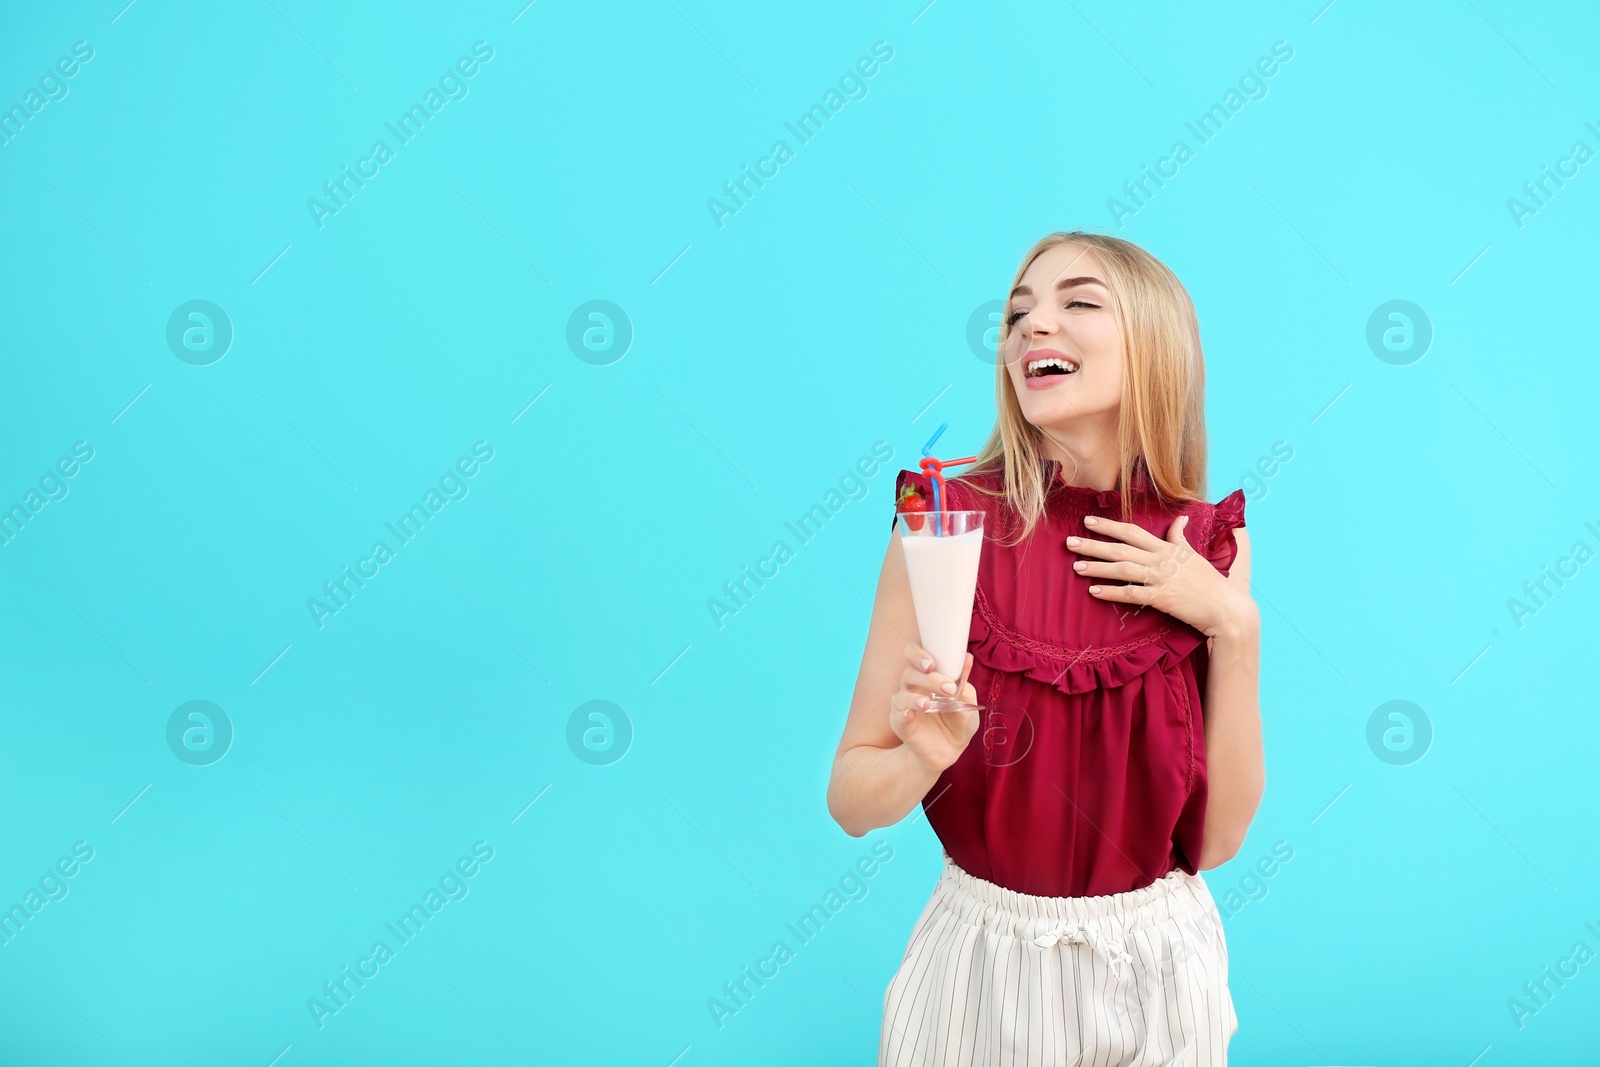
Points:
[(927, 449)]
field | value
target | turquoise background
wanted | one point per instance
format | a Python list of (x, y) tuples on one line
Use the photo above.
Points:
[(768, 354)]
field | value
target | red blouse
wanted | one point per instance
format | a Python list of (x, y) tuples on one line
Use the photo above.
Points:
[(1088, 772)]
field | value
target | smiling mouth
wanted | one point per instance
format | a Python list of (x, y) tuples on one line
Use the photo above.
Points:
[(1038, 368)]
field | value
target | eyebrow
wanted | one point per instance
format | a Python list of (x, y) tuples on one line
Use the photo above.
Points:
[(1064, 283)]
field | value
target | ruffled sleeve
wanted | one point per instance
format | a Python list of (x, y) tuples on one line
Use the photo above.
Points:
[(1227, 515)]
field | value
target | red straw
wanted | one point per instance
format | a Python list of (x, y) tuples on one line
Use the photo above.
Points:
[(933, 469)]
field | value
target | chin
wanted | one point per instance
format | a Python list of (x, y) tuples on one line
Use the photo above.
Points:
[(1062, 416), (1050, 410)]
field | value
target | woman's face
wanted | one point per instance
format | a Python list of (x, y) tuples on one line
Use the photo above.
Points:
[(1062, 309)]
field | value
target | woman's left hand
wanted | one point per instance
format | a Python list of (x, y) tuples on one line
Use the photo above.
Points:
[(1169, 575)]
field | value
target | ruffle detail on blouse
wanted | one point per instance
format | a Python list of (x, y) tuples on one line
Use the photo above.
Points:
[(1075, 670), (1226, 515), (1058, 492)]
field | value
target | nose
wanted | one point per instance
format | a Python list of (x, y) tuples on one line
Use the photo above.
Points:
[(1038, 321), (1036, 324)]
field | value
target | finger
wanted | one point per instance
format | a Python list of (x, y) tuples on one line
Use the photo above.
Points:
[(1127, 570), (902, 722), (922, 664), (1175, 535), (906, 718), (967, 692), (1114, 550), (905, 704), (1125, 594), (1130, 532), (911, 678)]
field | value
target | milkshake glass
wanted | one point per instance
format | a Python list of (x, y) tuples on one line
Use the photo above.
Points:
[(941, 550)]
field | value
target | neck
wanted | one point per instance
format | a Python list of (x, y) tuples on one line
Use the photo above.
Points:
[(1087, 458)]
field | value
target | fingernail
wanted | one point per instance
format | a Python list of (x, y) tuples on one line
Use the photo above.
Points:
[(927, 663), (949, 687), (1089, 520), (922, 702), (1072, 540)]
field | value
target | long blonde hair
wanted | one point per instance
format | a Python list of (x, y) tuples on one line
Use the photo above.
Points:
[(1162, 421)]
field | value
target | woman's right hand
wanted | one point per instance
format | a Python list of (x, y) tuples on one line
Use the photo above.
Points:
[(938, 738)]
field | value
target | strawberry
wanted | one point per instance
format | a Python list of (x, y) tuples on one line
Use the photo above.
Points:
[(912, 504)]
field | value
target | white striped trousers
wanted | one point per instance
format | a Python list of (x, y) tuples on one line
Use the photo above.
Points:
[(1002, 979)]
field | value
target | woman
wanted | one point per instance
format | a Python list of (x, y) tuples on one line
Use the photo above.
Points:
[(1114, 647)]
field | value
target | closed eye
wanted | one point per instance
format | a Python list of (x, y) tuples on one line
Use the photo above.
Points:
[(1011, 319)]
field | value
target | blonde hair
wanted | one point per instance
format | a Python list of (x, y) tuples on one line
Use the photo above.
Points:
[(1162, 421)]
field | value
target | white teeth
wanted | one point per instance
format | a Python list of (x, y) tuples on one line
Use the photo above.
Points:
[(1034, 366)]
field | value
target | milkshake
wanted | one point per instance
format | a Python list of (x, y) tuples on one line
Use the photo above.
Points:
[(942, 565)]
